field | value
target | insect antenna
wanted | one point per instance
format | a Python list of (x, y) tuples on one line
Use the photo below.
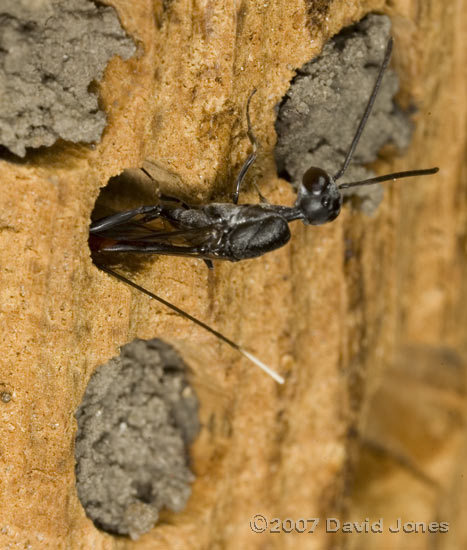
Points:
[(388, 177), (358, 133), (366, 114), (206, 327)]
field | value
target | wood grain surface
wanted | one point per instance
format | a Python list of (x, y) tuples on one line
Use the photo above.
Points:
[(358, 315)]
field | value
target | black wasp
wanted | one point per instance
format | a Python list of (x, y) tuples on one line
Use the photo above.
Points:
[(232, 231)]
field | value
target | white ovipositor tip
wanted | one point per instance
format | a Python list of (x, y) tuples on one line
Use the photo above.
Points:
[(261, 365)]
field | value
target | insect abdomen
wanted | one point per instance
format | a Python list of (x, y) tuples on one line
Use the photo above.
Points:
[(250, 240), (97, 243)]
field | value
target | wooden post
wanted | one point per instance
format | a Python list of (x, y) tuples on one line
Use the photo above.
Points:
[(331, 328)]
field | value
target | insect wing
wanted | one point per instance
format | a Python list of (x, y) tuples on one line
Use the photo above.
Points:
[(144, 235), (179, 237), (134, 230)]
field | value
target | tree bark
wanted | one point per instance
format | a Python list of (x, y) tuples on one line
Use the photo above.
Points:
[(367, 345)]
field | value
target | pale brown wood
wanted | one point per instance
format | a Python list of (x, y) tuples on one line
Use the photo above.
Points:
[(332, 328)]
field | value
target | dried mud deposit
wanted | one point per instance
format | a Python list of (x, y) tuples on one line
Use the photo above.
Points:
[(365, 317)]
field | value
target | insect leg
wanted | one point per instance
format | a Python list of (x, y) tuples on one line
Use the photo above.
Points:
[(251, 157), (168, 198), (262, 198), (150, 212), (161, 195)]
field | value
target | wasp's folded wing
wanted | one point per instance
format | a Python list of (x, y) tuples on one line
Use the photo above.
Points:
[(195, 236), (148, 240), (134, 230)]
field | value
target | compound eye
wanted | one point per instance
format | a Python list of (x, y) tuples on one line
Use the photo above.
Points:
[(315, 180)]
